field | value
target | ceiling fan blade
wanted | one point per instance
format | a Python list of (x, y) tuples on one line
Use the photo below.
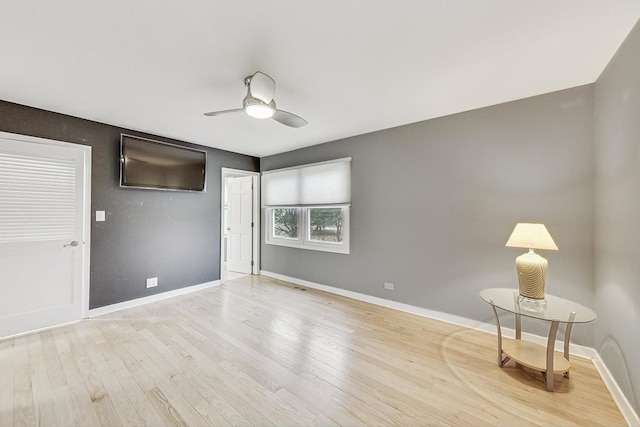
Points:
[(289, 119), (224, 112), (262, 87)]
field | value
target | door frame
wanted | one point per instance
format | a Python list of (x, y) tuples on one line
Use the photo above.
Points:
[(255, 201), (86, 208)]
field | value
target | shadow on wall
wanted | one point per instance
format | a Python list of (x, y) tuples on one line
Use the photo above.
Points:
[(612, 355)]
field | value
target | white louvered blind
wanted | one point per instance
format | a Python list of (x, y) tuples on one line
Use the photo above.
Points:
[(37, 198), (325, 183)]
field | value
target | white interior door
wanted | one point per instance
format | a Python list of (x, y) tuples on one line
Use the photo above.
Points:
[(42, 234), (240, 223)]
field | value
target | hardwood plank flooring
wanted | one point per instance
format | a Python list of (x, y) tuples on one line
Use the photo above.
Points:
[(258, 351)]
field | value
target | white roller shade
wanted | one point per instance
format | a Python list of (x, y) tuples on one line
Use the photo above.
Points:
[(325, 183), (281, 187)]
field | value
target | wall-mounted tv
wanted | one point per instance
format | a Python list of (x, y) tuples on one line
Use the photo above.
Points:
[(156, 165)]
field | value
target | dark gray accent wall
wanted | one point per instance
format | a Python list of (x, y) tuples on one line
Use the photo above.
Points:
[(433, 204), (617, 219), (174, 236)]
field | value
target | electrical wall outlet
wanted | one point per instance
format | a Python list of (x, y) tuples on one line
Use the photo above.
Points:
[(389, 286), (152, 282)]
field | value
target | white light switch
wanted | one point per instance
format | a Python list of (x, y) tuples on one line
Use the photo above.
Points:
[(100, 216)]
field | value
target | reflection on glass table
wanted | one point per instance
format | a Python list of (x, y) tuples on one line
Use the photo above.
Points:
[(534, 356)]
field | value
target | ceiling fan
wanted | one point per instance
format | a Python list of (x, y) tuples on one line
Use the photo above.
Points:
[(259, 102)]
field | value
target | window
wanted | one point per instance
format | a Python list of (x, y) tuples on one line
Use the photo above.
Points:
[(285, 223), (324, 225), (308, 206), (322, 228)]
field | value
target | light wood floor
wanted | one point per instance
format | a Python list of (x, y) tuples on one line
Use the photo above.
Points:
[(257, 351)]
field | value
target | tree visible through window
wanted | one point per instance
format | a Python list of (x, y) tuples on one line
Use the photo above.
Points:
[(285, 223), (325, 224)]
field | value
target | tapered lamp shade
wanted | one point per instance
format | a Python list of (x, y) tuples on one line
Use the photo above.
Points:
[(531, 267), (531, 236)]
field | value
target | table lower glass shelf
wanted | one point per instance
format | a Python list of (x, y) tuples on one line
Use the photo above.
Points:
[(533, 356)]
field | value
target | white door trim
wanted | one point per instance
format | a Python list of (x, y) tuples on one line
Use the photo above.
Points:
[(86, 220), (226, 173)]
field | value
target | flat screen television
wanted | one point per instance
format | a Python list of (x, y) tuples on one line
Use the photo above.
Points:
[(156, 165)]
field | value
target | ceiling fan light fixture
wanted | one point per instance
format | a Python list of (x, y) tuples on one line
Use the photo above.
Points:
[(258, 109), (259, 102)]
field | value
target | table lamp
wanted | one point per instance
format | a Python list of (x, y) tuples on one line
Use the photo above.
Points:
[(531, 267)]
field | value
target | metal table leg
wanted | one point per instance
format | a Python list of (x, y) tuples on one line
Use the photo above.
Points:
[(567, 338), (553, 331), (501, 361)]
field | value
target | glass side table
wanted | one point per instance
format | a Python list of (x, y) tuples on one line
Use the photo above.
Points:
[(534, 356)]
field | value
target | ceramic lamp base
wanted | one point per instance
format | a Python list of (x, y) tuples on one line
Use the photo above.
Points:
[(532, 275)]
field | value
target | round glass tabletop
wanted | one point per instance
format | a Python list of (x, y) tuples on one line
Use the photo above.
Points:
[(557, 309)]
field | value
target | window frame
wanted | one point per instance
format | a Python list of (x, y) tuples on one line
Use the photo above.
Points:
[(303, 241)]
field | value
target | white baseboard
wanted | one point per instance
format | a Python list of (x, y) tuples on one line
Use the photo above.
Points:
[(35, 331), (420, 311), (576, 350), (94, 312), (616, 392)]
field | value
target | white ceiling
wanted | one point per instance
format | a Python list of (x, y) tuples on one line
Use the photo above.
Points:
[(347, 66)]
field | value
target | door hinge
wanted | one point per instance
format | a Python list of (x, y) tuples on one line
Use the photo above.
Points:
[(252, 225), (251, 263)]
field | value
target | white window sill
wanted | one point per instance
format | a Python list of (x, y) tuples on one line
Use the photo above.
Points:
[(322, 247)]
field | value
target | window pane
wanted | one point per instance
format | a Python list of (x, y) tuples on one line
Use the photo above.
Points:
[(285, 223), (325, 224)]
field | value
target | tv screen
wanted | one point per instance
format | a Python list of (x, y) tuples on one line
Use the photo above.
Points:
[(156, 165)]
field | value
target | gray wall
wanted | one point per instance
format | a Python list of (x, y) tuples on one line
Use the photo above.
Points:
[(617, 278), (434, 203), (174, 236)]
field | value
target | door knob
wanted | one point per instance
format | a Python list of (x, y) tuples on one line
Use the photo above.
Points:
[(74, 244)]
